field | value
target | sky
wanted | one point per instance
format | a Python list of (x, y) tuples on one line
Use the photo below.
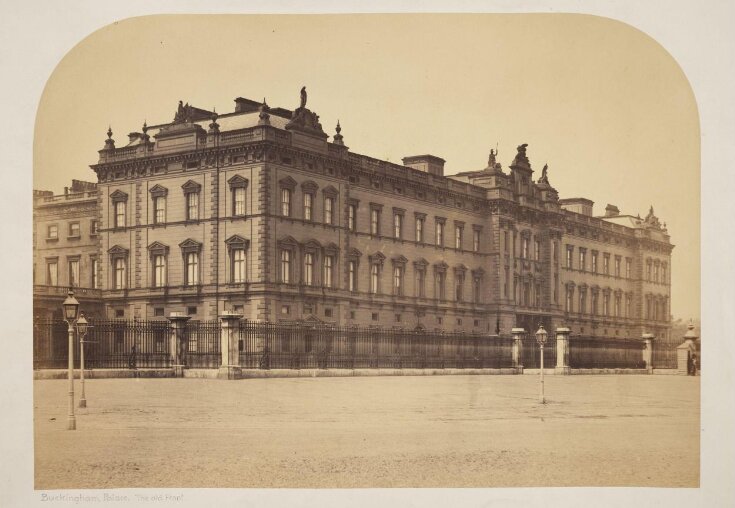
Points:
[(602, 103)]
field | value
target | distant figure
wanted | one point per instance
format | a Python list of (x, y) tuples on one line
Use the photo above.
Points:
[(303, 97), (132, 359), (695, 364)]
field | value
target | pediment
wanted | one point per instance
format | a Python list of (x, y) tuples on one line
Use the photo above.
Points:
[(191, 186), (421, 262), (158, 190), (287, 183), (237, 241), (190, 245), (354, 253), (400, 260), (237, 181), (118, 250), (118, 195), (309, 186), (287, 240), (330, 191), (158, 247)]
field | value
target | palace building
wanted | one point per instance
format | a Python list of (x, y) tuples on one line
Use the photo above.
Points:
[(257, 211)]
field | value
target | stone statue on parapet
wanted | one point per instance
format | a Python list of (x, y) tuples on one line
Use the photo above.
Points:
[(544, 176), (303, 97), (183, 113)]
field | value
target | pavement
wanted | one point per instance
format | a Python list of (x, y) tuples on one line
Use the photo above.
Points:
[(442, 431)]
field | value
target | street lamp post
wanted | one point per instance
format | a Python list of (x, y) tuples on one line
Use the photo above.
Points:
[(82, 327), (541, 336), (71, 310)]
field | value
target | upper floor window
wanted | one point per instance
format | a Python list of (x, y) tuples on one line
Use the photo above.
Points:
[(74, 272), (606, 264), (352, 275), (570, 252), (617, 266), (309, 268), (52, 232), (537, 250), (286, 266), (398, 280), (120, 207), (420, 229), (238, 201), (238, 186), (397, 225), (655, 272), (593, 261), (192, 268), (524, 247), (52, 273), (476, 240), (627, 268), (458, 232), (328, 210), (308, 206), (119, 275), (329, 270), (75, 230), (582, 259), (375, 221), (159, 270), (439, 232), (94, 228), (663, 274), (459, 286), (351, 217), (159, 209), (94, 282), (374, 278), (192, 206), (238, 265), (286, 202)]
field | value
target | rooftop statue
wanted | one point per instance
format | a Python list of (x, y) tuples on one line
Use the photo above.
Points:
[(544, 176), (183, 113), (303, 97)]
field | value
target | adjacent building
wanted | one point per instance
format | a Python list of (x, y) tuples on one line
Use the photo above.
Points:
[(259, 212)]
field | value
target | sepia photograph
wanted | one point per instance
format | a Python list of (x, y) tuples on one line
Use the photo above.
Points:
[(364, 251)]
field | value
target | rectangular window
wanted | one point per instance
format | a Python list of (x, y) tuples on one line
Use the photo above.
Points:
[(286, 202), (158, 312), (374, 221), (94, 228), (119, 273), (605, 304), (238, 266), (419, 229), (309, 269), (628, 305), (159, 270), (95, 270), (308, 206), (53, 232), (328, 210), (627, 268), (617, 266), (655, 273), (593, 310), (74, 230), (374, 278), (421, 283), (476, 240), (397, 225), (476, 292), (192, 206), (440, 285), (570, 252), (352, 275), (594, 262), (459, 287), (440, 234), (238, 201), (398, 280), (159, 210), (328, 270), (663, 274), (582, 256), (52, 273), (458, 231), (74, 273), (606, 264), (506, 243), (120, 214), (569, 300), (351, 217), (537, 250), (582, 302), (524, 248), (286, 266), (617, 306), (192, 268)]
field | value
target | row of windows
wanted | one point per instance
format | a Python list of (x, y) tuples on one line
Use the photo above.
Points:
[(74, 277), (398, 230), (622, 305), (656, 271), (398, 281), (594, 264), (74, 231)]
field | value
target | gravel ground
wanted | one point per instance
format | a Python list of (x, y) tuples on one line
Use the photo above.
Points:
[(442, 431)]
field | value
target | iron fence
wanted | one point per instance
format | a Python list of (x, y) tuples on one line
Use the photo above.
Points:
[(587, 353), (202, 344), (530, 354), (664, 355), (295, 346)]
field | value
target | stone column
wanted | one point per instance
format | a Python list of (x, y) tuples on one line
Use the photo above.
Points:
[(230, 366), (562, 351), (648, 351), (518, 334), (176, 345)]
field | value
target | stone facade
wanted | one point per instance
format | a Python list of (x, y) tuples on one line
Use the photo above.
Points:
[(256, 212), (66, 249)]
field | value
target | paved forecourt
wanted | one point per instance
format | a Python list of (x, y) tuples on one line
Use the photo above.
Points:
[(444, 431)]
